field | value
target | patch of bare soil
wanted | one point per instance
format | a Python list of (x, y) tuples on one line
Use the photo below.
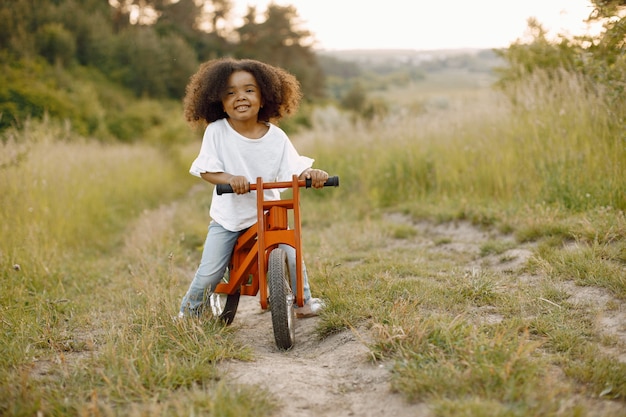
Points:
[(332, 377)]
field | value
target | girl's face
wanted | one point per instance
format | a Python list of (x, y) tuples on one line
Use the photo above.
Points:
[(242, 100)]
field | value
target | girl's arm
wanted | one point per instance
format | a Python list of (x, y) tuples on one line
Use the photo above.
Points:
[(239, 183), (317, 176)]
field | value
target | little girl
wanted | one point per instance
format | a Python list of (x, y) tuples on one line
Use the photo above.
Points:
[(238, 101)]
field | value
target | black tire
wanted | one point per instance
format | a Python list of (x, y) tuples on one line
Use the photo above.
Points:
[(281, 300), (224, 306)]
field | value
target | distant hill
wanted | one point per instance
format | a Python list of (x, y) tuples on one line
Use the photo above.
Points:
[(351, 63), (406, 56)]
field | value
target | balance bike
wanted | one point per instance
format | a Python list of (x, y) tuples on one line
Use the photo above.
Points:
[(259, 266)]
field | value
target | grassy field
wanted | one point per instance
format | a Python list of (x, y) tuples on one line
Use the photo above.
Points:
[(98, 243)]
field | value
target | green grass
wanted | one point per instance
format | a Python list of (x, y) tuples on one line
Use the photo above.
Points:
[(467, 340), (98, 242)]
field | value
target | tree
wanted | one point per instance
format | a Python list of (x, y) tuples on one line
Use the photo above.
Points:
[(200, 25), (540, 54), (609, 50), (152, 56), (19, 21), (91, 25), (141, 62), (55, 43), (277, 41), (600, 59), (180, 18)]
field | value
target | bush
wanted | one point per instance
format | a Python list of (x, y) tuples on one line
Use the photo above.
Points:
[(55, 43)]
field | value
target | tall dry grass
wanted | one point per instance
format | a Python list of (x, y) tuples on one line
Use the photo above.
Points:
[(558, 145), (61, 193)]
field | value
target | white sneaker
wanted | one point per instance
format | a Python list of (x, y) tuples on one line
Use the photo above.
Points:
[(311, 308), (178, 318)]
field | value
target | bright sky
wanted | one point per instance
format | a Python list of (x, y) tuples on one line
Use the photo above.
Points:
[(432, 24)]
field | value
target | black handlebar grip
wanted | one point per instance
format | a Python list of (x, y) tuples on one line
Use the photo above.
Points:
[(330, 182), (223, 189)]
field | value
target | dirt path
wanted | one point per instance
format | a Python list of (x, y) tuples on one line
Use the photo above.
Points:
[(331, 378)]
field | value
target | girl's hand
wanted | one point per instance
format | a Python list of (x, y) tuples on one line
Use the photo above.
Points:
[(239, 184), (317, 176)]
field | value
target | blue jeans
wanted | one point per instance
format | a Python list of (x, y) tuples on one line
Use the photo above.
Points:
[(216, 254)]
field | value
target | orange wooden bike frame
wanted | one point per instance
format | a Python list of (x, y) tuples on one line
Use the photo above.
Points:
[(248, 270)]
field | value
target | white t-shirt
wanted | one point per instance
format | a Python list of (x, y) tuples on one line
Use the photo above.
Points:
[(271, 157)]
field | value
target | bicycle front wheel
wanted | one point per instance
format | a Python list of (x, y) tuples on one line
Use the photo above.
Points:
[(281, 300)]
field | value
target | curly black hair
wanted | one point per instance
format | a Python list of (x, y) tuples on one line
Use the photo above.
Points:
[(280, 90)]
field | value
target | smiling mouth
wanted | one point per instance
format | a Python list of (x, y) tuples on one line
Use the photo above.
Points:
[(242, 108)]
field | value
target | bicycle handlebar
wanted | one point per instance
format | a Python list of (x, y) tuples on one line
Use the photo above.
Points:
[(227, 189)]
